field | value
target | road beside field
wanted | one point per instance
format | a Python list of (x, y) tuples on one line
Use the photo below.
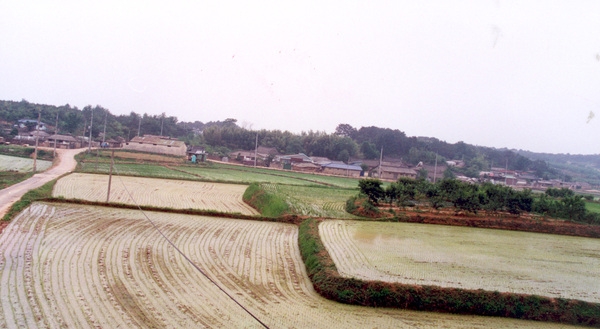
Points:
[(64, 164)]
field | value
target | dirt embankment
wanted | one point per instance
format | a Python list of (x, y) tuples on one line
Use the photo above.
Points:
[(526, 223)]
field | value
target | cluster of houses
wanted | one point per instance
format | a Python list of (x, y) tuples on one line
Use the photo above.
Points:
[(523, 179), (40, 133), (389, 169)]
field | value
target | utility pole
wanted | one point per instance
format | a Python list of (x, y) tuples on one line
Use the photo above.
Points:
[(83, 135), (37, 137), (380, 159), (91, 124), (161, 124), (104, 133), (255, 149), (435, 169), (55, 133), (112, 164)]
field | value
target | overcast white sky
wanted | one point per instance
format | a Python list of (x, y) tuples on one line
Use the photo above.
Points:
[(517, 74)]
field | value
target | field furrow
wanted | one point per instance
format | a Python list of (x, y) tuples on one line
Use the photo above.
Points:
[(82, 266), (461, 257), (178, 194)]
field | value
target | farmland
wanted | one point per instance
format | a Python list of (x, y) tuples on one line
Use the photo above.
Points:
[(69, 265), (11, 163), (468, 258), (314, 201), (593, 207), (162, 193), (83, 266), (139, 164)]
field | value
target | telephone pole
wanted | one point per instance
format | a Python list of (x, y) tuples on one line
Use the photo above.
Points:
[(91, 124), (255, 149), (55, 133), (104, 133), (37, 137)]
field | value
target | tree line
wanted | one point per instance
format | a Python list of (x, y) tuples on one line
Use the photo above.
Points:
[(557, 203), (223, 137)]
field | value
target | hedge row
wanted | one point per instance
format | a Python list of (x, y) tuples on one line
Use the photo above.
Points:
[(331, 285)]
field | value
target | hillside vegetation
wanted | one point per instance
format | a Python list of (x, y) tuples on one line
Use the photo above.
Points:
[(222, 137)]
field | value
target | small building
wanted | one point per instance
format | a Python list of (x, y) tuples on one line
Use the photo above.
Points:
[(32, 123), (198, 151), (305, 167), (62, 141), (113, 143), (157, 144), (393, 173), (342, 169)]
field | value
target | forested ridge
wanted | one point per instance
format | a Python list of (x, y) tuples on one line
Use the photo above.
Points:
[(347, 142)]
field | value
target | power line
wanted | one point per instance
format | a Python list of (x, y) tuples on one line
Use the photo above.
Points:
[(186, 257)]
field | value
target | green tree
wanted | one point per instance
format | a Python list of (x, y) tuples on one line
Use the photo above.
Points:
[(449, 173), (369, 150), (372, 189), (422, 174)]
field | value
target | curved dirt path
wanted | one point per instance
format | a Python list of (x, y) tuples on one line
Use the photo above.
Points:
[(65, 163)]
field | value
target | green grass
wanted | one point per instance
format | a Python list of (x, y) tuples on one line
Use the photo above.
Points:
[(8, 178), (269, 204), (314, 201), (311, 179), (592, 207), (42, 192), (132, 169)]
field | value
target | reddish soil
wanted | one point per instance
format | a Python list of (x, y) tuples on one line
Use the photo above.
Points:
[(525, 222)]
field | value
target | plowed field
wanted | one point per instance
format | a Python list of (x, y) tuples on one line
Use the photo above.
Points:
[(81, 266), (465, 257), (178, 194)]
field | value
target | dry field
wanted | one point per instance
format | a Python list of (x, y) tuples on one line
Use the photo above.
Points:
[(178, 194), (81, 266), (463, 257)]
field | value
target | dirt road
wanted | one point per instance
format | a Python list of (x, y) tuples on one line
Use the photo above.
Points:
[(65, 163)]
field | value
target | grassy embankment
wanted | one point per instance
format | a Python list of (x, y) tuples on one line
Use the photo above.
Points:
[(42, 193)]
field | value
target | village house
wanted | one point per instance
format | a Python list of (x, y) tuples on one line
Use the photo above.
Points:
[(23, 123), (305, 167), (157, 144), (62, 141), (31, 136), (342, 169), (286, 161), (263, 156), (393, 173)]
